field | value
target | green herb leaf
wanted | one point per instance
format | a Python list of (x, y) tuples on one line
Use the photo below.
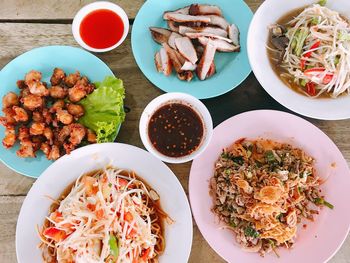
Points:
[(270, 157), (322, 2), (113, 245), (251, 232), (321, 201)]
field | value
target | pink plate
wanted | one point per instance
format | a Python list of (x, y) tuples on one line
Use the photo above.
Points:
[(321, 239)]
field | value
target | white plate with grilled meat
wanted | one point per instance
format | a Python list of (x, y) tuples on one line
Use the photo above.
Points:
[(197, 48)]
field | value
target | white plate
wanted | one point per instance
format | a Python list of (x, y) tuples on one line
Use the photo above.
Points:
[(268, 13), (64, 171)]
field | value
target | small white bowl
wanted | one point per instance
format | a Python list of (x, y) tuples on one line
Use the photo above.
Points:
[(188, 100), (97, 6)]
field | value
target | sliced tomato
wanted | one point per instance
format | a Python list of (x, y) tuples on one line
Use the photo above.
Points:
[(91, 207), (128, 217), (145, 253), (328, 78), (99, 214), (311, 88), (56, 216), (132, 233), (55, 234)]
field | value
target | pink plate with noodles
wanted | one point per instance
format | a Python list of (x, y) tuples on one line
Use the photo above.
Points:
[(314, 241)]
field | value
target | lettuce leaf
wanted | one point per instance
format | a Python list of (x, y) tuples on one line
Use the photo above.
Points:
[(104, 109)]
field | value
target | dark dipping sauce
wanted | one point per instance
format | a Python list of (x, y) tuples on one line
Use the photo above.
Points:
[(175, 130)]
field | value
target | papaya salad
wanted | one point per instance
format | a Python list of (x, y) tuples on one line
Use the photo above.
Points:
[(310, 50), (262, 190), (108, 215)]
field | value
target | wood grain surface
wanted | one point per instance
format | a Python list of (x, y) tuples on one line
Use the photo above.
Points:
[(25, 25)]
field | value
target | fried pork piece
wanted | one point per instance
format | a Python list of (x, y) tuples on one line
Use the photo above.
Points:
[(47, 116), (37, 128), (24, 92), (36, 87), (64, 117), (10, 137), (58, 92), (68, 147), (9, 100), (62, 134), (54, 153), (91, 136), (48, 134), (77, 133), (8, 119), (57, 77), (72, 79), (58, 105), (46, 148), (32, 102), (76, 110), (20, 115), (23, 133), (21, 84), (37, 141), (37, 116), (26, 149), (77, 93)]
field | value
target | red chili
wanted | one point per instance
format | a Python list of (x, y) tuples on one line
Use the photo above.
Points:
[(328, 78), (308, 54), (310, 88)]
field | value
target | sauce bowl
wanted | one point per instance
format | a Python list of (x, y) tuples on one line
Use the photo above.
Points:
[(86, 10), (196, 105)]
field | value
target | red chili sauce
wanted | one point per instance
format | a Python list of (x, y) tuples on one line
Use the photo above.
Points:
[(101, 28), (175, 130)]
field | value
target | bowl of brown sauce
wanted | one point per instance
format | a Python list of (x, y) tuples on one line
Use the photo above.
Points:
[(175, 127)]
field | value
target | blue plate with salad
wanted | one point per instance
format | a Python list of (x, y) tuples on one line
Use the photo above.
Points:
[(56, 99)]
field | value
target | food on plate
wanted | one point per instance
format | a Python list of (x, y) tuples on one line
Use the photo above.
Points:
[(58, 119), (108, 215), (309, 49), (195, 34), (102, 28), (175, 130), (262, 190)]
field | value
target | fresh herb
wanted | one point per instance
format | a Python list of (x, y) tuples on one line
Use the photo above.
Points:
[(336, 60), (251, 232), (236, 159), (233, 224), (113, 245), (270, 157), (227, 171), (110, 185), (322, 2), (321, 201), (272, 243)]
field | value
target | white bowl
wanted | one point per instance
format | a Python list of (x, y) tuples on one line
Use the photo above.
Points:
[(96, 6), (189, 100), (67, 169), (268, 13)]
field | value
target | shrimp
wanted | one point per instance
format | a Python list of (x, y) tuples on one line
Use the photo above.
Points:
[(9, 100)]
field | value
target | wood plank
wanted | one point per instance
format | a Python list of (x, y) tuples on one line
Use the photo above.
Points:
[(51, 9)]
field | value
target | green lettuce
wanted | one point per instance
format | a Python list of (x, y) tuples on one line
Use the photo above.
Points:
[(104, 109)]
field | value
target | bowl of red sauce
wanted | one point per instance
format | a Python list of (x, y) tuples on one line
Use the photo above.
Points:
[(100, 26), (175, 127)]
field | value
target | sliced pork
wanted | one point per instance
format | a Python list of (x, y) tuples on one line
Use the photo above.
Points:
[(173, 26), (160, 35), (233, 34), (219, 21), (185, 75), (174, 58), (158, 62), (212, 70), (171, 40), (186, 49), (207, 59), (165, 60), (188, 66), (208, 30), (221, 45), (202, 34), (181, 18), (197, 9), (185, 11)]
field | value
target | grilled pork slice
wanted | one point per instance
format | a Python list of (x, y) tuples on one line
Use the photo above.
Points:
[(212, 70), (208, 30), (233, 34), (171, 40), (174, 57), (185, 11), (202, 34), (181, 18), (188, 66), (218, 21), (158, 62), (221, 45), (185, 75), (186, 49), (165, 60), (173, 26), (160, 35), (206, 60), (197, 9)]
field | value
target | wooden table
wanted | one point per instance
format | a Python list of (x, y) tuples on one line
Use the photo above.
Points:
[(29, 24)]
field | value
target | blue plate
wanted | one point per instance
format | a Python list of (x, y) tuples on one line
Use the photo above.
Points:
[(44, 59), (232, 68)]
